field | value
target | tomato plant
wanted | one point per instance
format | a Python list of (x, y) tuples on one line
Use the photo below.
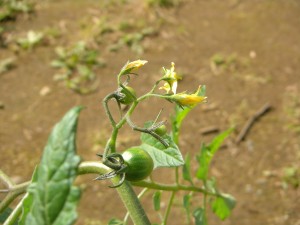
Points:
[(60, 163)]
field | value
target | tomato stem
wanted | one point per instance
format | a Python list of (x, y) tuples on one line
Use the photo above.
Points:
[(125, 191), (174, 187), (106, 108)]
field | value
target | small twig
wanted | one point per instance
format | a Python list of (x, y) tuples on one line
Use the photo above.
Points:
[(209, 130), (13, 193), (149, 130), (266, 107)]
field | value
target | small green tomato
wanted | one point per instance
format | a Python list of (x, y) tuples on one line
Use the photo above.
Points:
[(128, 98), (139, 164), (161, 131)]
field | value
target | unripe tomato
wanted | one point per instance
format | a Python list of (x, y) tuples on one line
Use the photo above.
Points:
[(128, 99), (161, 131), (139, 164)]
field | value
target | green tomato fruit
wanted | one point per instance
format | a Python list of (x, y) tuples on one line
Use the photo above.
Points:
[(128, 98), (161, 131), (139, 164)]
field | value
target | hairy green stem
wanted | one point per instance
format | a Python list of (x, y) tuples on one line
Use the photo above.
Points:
[(106, 108), (111, 143), (140, 195), (174, 187), (125, 191)]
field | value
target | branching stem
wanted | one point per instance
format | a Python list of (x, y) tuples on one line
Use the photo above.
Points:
[(13, 193)]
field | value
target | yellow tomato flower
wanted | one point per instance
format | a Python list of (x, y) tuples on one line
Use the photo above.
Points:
[(171, 78), (166, 87), (129, 66), (184, 99)]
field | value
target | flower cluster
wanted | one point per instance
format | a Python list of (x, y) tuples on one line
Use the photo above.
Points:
[(170, 77), (182, 99)]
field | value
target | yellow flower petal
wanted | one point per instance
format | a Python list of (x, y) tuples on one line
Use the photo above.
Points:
[(171, 77), (132, 66), (166, 87), (189, 100), (135, 64)]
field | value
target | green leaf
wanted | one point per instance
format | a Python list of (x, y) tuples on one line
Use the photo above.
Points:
[(200, 217), (52, 199), (207, 153), (180, 114), (217, 141), (162, 156), (223, 205), (186, 169), (187, 204), (156, 200), (115, 222)]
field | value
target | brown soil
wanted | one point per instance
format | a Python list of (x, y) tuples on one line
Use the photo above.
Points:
[(264, 37)]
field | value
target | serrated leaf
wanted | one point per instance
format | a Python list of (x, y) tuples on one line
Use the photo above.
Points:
[(52, 199), (218, 140), (186, 169), (115, 222), (207, 153), (156, 200), (200, 217), (162, 156), (223, 205)]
